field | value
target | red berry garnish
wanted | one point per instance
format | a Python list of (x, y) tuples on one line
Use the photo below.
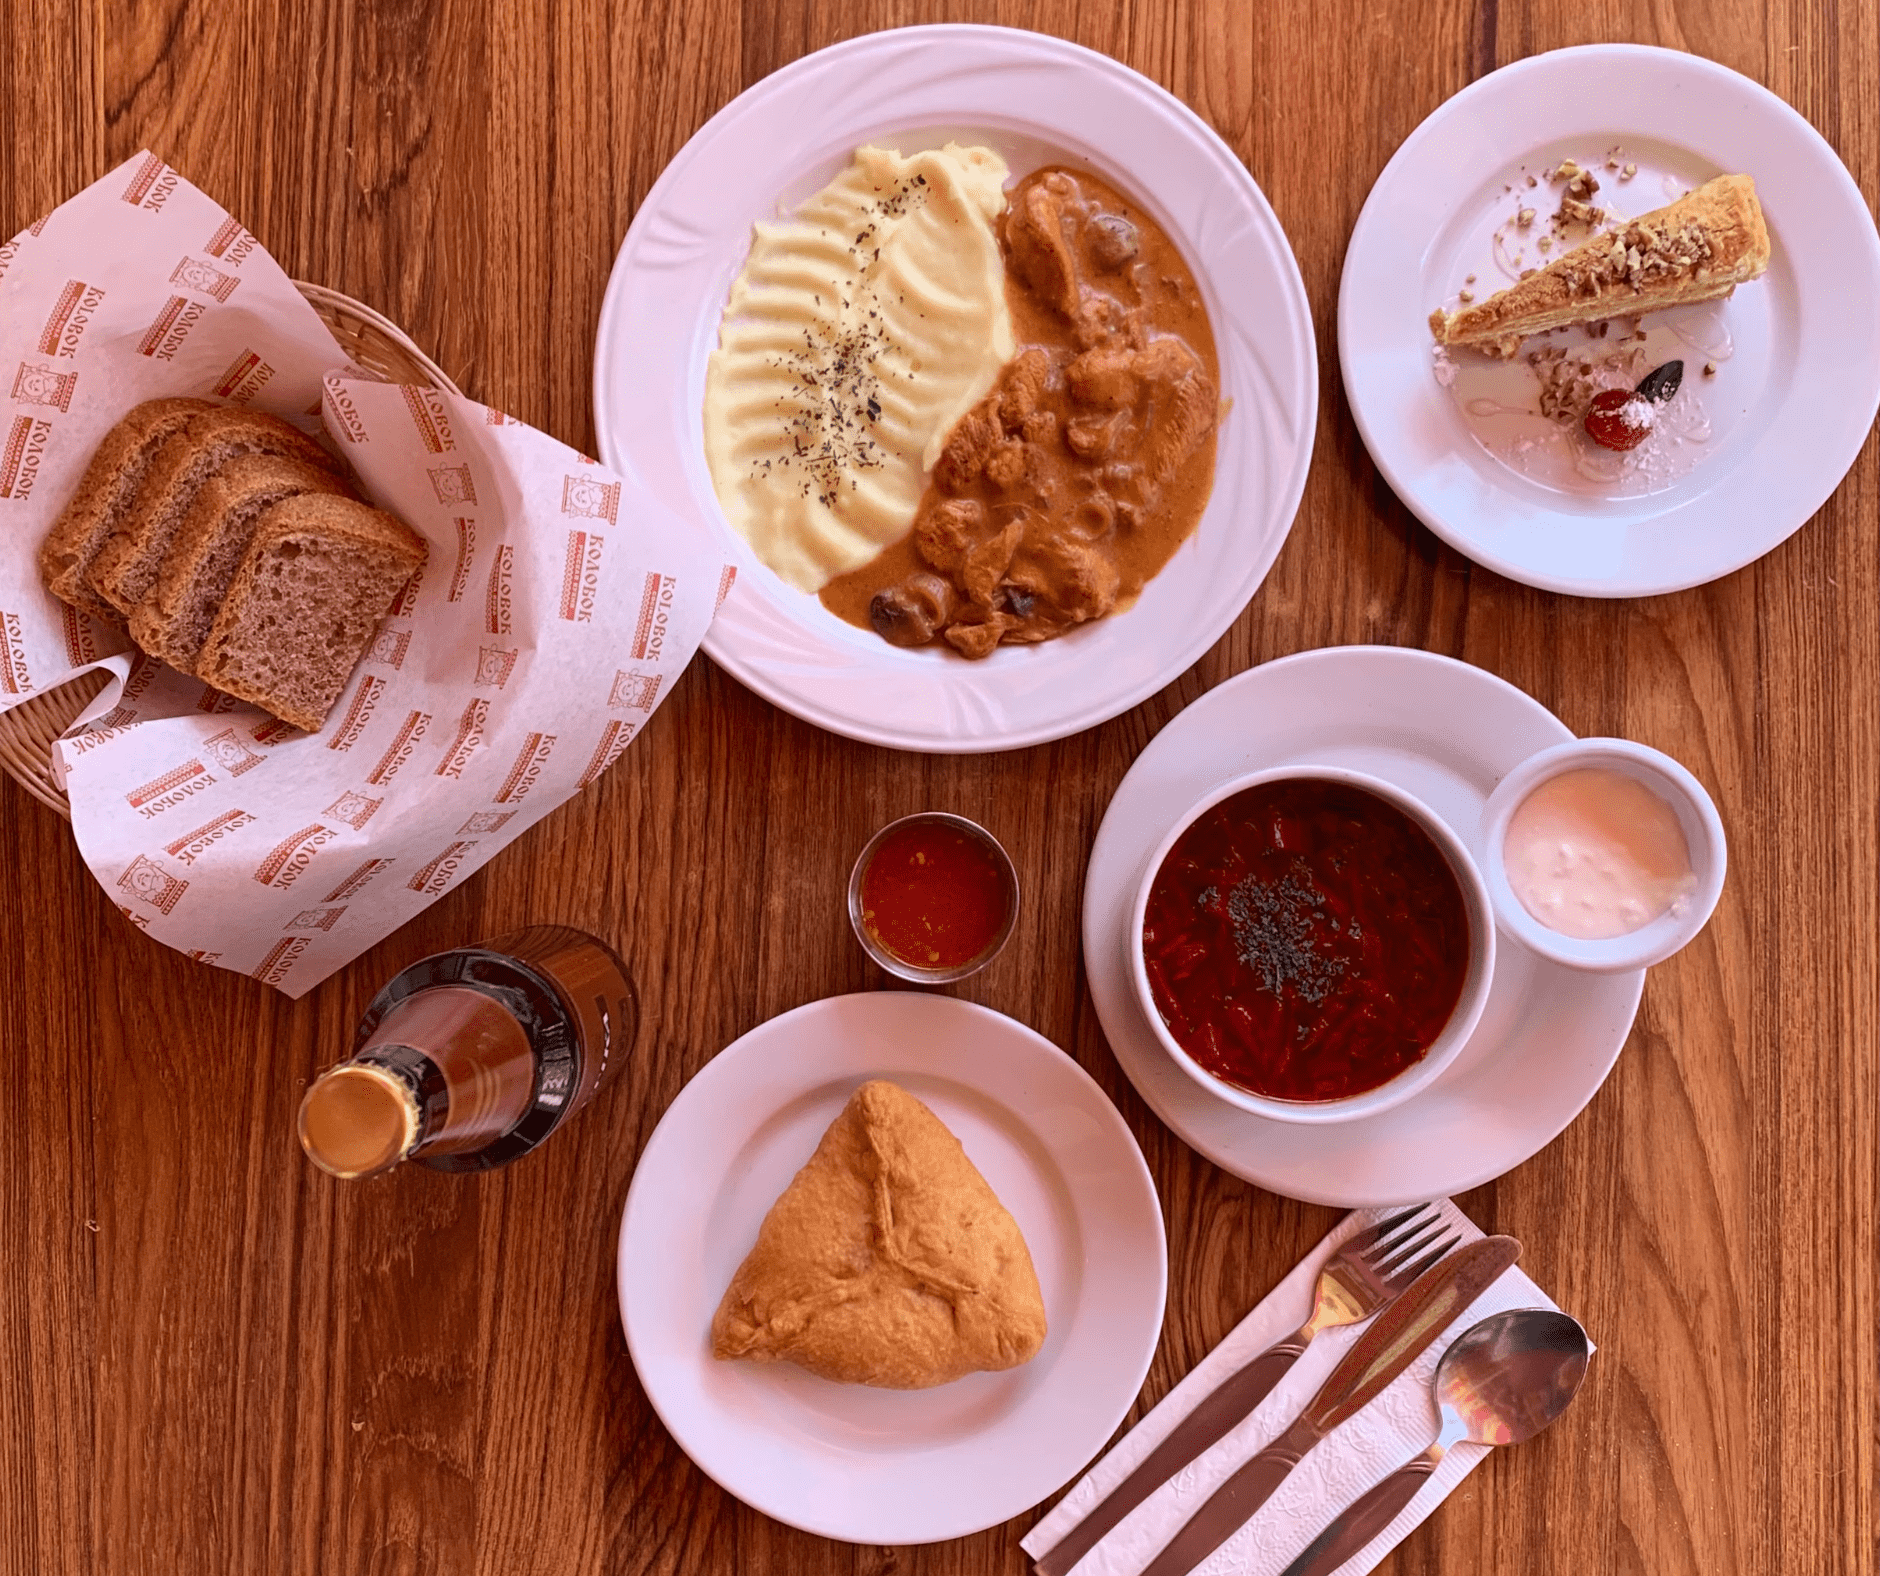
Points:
[(1609, 423)]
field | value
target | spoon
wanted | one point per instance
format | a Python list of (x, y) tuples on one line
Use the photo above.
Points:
[(1500, 1382)]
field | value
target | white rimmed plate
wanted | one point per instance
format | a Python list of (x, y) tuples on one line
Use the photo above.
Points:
[(886, 1466), (1445, 732), (1789, 411), (1037, 100)]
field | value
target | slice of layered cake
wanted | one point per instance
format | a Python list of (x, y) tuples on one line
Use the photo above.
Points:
[(1698, 248)]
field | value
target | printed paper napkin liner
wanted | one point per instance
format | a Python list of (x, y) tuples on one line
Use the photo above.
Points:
[(1396, 1426), (556, 608)]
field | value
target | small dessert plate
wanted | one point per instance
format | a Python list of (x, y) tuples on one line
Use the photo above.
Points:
[(1035, 100), (894, 1466), (1747, 451), (1445, 733)]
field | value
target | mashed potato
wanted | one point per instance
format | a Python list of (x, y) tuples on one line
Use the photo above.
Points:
[(860, 330)]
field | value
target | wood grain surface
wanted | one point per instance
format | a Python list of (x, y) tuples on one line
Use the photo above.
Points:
[(213, 1359)]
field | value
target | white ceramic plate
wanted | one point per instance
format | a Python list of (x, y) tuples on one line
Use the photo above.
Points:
[(1037, 100), (887, 1466), (1446, 733), (1789, 410)]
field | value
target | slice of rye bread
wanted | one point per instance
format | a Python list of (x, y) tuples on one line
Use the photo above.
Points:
[(110, 483), (317, 577), (174, 620), (127, 565)]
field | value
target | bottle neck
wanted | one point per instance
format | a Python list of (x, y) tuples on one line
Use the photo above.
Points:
[(446, 1071), (467, 1060)]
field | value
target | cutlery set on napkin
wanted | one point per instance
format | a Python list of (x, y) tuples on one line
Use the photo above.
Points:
[(1314, 1452)]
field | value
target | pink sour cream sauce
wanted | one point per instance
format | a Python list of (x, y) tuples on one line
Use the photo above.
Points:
[(1595, 853)]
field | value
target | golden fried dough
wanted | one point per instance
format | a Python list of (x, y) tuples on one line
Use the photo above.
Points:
[(887, 1261)]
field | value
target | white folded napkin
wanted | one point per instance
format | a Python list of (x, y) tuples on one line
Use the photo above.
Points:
[(1399, 1424)]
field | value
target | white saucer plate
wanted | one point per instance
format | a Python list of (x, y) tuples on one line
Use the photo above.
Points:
[(1445, 732), (893, 1466), (1789, 411), (1037, 100)]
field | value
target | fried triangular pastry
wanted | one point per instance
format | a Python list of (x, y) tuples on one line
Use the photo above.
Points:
[(887, 1261)]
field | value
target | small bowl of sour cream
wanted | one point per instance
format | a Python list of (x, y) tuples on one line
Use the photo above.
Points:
[(1603, 854)]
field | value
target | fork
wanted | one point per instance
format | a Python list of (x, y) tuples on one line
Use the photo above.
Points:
[(1370, 1268)]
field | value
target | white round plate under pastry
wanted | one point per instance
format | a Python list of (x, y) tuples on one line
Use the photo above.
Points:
[(894, 1466), (1796, 352), (1447, 733), (1036, 100)]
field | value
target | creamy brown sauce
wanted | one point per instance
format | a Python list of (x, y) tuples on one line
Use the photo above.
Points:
[(1064, 491)]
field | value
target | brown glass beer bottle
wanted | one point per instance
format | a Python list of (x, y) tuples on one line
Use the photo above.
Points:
[(469, 1059)]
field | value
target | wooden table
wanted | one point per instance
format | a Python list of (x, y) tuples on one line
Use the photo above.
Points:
[(213, 1358)]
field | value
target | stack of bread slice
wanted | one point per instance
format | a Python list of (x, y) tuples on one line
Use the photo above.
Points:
[(235, 548)]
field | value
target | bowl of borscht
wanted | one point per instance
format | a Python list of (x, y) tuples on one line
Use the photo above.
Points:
[(1312, 944)]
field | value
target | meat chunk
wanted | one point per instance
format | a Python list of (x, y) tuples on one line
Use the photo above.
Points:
[(1040, 256), (1103, 379), (1024, 381), (1092, 437), (978, 639), (1074, 579), (945, 534), (912, 613), (987, 563), (1040, 427), (967, 448), (1099, 320), (1007, 464), (1185, 413), (1166, 377), (1111, 379)]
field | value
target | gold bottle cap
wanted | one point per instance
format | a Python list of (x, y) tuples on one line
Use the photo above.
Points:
[(357, 1120)]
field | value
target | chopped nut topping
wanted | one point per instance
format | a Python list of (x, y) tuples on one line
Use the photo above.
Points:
[(1568, 169), (1466, 296), (1628, 172), (1524, 218), (1546, 243), (1568, 383), (1636, 254), (1710, 369)]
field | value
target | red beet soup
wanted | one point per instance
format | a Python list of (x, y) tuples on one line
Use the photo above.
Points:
[(1305, 940)]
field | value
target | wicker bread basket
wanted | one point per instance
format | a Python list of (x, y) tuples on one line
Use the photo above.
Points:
[(28, 731)]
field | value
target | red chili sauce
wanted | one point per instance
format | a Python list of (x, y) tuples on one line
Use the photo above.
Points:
[(934, 895), (1305, 940)]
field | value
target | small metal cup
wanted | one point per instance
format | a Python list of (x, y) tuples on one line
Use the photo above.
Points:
[(908, 971)]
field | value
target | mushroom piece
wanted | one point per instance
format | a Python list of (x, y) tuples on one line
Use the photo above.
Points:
[(1113, 242), (912, 613)]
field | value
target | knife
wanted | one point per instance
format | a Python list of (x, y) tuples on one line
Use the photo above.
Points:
[(1395, 1339)]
